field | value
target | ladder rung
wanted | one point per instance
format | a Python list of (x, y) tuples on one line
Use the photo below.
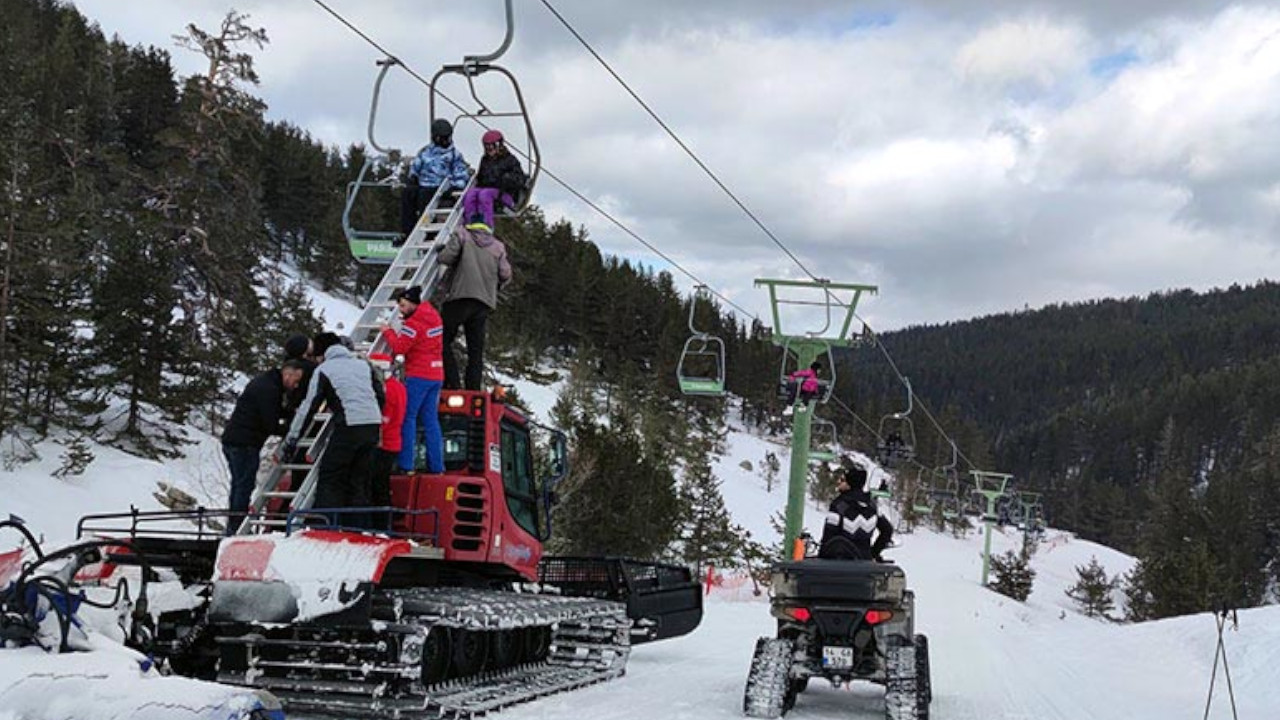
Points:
[(280, 494), (296, 466), (263, 521)]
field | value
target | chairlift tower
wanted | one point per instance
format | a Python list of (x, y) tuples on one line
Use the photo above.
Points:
[(835, 299), (991, 486)]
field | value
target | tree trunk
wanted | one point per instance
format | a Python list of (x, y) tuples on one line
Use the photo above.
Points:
[(5, 281)]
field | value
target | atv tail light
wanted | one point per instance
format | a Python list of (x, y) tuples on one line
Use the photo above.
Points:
[(477, 407), (875, 617), (799, 613), (455, 401)]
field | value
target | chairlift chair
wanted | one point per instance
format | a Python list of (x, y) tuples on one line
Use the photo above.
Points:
[(374, 247), (882, 491), (951, 506), (897, 434), (476, 66), (824, 446), (921, 500), (789, 389), (1025, 508), (701, 368)]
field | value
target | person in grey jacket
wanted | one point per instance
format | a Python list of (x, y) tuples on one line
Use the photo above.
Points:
[(480, 269), (354, 396)]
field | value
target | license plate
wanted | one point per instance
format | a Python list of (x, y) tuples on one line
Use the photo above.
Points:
[(837, 658)]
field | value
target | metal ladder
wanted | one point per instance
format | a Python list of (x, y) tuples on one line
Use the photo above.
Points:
[(416, 264)]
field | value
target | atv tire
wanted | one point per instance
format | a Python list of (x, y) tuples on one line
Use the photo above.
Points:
[(924, 683), (768, 692), (906, 695)]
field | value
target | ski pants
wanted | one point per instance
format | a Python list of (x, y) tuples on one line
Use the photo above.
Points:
[(242, 461), (470, 315), (423, 408), (482, 200), (343, 478)]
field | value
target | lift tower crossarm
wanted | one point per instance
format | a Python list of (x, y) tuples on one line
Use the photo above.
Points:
[(808, 346)]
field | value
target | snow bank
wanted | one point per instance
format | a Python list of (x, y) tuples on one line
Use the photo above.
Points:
[(108, 684)]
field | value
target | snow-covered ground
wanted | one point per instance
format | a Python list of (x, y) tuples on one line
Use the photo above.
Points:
[(993, 658)]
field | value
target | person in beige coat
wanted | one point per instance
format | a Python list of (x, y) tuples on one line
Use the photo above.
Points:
[(480, 269)]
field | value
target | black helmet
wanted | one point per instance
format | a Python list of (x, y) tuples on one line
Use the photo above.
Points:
[(855, 475), (441, 128)]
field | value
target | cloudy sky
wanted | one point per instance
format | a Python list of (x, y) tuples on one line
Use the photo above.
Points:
[(966, 156)]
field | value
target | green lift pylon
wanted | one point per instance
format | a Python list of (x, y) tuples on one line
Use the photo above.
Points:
[(991, 486), (808, 347)]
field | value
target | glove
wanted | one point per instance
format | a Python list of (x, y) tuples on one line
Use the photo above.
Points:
[(286, 450)]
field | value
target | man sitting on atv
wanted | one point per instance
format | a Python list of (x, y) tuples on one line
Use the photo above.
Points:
[(852, 519)]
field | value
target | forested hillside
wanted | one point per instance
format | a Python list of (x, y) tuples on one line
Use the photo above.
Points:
[(1151, 424)]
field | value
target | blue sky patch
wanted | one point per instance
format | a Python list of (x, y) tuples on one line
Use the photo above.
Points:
[(1109, 66)]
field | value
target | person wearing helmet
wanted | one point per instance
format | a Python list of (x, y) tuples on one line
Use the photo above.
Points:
[(853, 519), (438, 164), (499, 179)]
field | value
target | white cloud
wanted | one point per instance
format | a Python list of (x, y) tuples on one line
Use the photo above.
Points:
[(968, 157), (1207, 110), (1037, 50)]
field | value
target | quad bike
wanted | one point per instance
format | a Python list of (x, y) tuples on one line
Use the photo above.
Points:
[(842, 620)]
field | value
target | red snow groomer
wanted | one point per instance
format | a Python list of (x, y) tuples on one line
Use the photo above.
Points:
[(452, 611)]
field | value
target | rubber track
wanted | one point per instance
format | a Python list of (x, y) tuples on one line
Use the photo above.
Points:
[(590, 643), (766, 692)]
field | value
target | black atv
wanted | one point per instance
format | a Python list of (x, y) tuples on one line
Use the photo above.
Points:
[(842, 620)]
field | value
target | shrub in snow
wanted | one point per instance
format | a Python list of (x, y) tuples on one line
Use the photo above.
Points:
[(75, 458), (1092, 591), (1012, 575)]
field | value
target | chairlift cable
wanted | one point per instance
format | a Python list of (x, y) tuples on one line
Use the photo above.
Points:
[(875, 336), (516, 151), (742, 206), (692, 155), (622, 226)]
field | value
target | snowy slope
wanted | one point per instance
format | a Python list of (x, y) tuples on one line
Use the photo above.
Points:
[(992, 658), (111, 483)]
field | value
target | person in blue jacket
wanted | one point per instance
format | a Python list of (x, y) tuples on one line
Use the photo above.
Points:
[(439, 163)]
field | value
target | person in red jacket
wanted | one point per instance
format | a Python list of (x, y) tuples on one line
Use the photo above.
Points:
[(390, 441), (420, 340)]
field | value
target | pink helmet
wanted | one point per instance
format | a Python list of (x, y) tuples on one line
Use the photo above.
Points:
[(493, 136)]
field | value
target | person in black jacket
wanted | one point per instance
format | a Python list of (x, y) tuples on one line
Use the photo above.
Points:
[(499, 179), (260, 412), (852, 520), (299, 348)]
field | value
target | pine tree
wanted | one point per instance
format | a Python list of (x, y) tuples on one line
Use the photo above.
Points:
[(769, 468), (1092, 591), (1012, 575), (707, 534), (616, 500)]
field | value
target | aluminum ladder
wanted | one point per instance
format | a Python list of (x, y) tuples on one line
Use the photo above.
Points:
[(417, 263)]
